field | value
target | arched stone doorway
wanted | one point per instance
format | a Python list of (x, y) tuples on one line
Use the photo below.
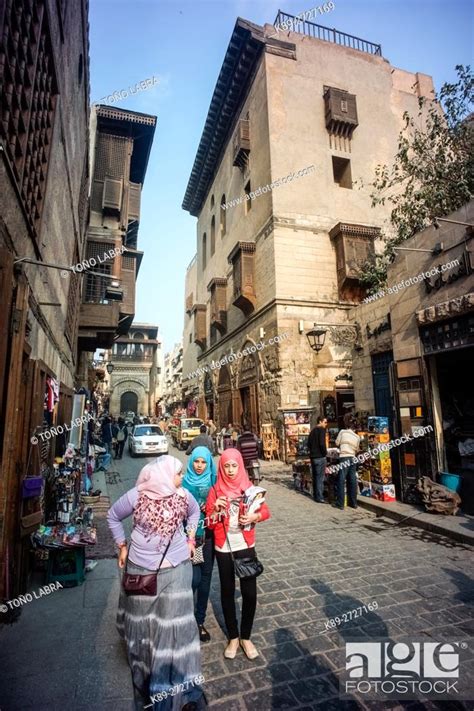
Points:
[(209, 396), (129, 402), (248, 389), (224, 389)]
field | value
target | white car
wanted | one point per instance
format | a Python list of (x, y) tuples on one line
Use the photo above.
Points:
[(147, 439)]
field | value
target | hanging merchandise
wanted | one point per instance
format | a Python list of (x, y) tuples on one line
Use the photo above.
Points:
[(31, 493)]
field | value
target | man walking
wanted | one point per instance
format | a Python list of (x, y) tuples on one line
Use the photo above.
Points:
[(107, 435), (348, 442), (121, 436), (317, 453), (247, 444), (202, 440)]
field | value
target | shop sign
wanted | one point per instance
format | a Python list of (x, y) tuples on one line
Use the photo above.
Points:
[(463, 270), (383, 326)]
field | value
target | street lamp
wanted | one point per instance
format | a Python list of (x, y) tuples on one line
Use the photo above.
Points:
[(341, 335), (316, 339), (110, 368)]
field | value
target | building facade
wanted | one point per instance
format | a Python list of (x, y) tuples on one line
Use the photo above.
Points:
[(414, 363), (121, 142), (44, 173), (308, 117), (134, 384), (173, 381)]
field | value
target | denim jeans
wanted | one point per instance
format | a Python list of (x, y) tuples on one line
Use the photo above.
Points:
[(202, 575), (348, 473), (318, 468)]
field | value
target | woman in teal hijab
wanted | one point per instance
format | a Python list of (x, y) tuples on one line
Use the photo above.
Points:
[(200, 476)]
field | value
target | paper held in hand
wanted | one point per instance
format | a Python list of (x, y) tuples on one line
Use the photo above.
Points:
[(253, 499)]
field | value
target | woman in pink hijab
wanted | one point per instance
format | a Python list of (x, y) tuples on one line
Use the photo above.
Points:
[(160, 630), (226, 498)]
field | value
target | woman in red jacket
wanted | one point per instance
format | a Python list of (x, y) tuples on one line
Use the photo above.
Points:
[(225, 498)]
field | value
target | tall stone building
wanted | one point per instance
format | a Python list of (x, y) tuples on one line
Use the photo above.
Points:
[(134, 381), (172, 385), (121, 142), (310, 112), (44, 173)]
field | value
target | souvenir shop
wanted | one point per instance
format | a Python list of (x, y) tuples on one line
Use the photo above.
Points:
[(56, 515), (374, 475)]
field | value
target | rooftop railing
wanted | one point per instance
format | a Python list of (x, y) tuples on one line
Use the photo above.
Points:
[(312, 29)]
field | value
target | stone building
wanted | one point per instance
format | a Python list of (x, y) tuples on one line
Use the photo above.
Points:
[(310, 115), (173, 383), (44, 171), (414, 361), (121, 142), (134, 381)]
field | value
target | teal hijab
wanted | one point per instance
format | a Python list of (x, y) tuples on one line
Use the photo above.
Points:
[(199, 484)]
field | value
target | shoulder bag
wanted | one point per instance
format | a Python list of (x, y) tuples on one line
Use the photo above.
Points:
[(143, 584), (245, 568)]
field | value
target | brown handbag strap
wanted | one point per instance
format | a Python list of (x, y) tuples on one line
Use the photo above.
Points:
[(162, 557)]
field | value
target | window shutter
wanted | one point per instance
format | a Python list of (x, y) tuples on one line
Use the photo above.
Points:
[(112, 195), (134, 201)]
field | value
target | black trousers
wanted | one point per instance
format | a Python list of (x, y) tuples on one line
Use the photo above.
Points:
[(119, 449), (248, 588)]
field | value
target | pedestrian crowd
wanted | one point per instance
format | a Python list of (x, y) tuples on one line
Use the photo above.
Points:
[(184, 519)]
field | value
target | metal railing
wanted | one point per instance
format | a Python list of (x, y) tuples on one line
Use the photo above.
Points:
[(311, 29)]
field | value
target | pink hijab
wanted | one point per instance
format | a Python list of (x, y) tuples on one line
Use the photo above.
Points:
[(161, 506), (156, 479), (227, 487)]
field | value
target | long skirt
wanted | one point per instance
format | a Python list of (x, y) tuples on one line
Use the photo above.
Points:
[(162, 640)]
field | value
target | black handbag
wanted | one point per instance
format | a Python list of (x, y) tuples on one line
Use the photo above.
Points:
[(245, 568)]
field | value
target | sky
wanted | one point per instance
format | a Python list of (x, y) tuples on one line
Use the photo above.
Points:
[(183, 43)]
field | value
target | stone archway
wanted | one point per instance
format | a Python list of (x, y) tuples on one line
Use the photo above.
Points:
[(129, 402), (248, 388), (132, 386)]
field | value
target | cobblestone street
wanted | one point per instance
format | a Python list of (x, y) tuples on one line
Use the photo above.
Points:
[(319, 563)]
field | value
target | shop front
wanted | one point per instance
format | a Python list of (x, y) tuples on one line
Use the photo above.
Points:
[(433, 346), (448, 346)]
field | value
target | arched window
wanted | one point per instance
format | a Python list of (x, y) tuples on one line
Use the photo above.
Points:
[(213, 235), (139, 336), (212, 202), (222, 225), (204, 250)]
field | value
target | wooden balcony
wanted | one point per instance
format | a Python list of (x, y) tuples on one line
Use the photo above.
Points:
[(242, 259), (98, 325), (189, 303), (218, 289), (199, 311), (241, 145), (354, 246)]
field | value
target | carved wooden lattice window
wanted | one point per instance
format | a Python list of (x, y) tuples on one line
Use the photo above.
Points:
[(28, 99), (83, 206), (72, 314), (242, 259), (95, 285)]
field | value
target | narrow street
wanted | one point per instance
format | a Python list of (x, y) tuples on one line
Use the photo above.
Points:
[(319, 564)]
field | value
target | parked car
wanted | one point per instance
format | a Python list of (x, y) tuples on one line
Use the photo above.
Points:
[(147, 439), (185, 431)]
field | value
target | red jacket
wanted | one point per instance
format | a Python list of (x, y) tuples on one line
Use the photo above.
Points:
[(221, 526)]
